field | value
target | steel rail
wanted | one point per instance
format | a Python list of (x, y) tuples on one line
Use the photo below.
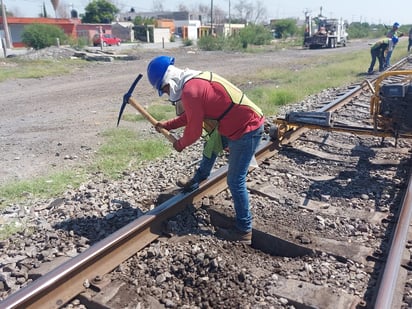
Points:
[(61, 284), (292, 135), (392, 267)]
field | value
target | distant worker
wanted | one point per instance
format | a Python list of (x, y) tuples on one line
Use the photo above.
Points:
[(378, 51), (393, 32), (410, 40)]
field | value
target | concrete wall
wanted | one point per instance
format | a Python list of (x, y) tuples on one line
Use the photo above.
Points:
[(161, 35)]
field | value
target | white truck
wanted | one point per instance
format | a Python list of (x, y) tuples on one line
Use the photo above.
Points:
[(322, 32)]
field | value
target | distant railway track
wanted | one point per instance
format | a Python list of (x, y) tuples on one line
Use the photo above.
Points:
[(332, 214)]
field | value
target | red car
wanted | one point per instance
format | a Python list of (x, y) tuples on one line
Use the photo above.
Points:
[(107, 39)]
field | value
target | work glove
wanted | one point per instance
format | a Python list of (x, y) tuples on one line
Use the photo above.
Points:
[(177, 146), (159, 125)]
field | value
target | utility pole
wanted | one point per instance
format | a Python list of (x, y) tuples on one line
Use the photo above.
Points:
[(6, 26), (230, 21), (211, 17)]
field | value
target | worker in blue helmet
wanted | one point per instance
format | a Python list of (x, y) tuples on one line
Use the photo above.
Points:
[(157, 69), (206, 96), (393, 32), (160, 72)]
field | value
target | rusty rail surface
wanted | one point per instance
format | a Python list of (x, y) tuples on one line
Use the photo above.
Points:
[(390, 275), (63, 283)]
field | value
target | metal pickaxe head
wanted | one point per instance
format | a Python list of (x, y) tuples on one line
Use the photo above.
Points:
[(127, 96)]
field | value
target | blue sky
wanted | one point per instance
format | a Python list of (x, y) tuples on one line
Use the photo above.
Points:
[(351, 10)]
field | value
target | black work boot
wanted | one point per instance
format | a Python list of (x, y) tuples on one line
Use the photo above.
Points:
[(187, 184), (234, 235)]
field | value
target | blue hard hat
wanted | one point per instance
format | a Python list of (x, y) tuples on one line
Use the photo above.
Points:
[(156, 71), (397, 25), (395, 40)]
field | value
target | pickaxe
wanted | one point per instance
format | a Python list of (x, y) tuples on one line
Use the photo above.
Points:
[(127, 98)]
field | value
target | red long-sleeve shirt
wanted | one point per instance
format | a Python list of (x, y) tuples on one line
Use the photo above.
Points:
[(203, 99)]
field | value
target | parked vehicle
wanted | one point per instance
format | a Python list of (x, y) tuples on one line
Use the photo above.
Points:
[(107, 40), (324, 32)]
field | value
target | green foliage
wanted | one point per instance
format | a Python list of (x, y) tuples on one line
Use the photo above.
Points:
[(40, 36), (283, 86), (209, 42), (51, 185), (270, 99), (285, 28), (187, 42), (79, 42), (8, 229), (255, 34), (234, 43), (358, 30), (21, 68), (124, 149), (100, 12), (220, 43), (162, 111), (144, 21), (142, 30), (158, 111), (250, 35)]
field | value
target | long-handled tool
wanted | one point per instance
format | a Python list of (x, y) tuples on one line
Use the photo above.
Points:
[(127, 98)]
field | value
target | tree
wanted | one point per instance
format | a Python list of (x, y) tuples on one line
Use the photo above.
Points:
[(255, 34), (244, 10), (285, 27), (158, 6), (100, 12), (144, 21), (44, 11), (253, 12), (259, 13), (183, 8), (219, 15), (361, 30)]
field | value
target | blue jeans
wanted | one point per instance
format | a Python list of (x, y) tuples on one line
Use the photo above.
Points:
[(377, 53), (241, 152), (388, 58)]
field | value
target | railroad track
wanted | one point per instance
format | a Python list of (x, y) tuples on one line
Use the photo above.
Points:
[(332, 212)]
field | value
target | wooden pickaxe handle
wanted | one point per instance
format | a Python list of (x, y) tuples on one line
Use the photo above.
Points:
[(152, 120)]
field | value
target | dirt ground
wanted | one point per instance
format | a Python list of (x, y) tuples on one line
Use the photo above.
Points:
[(52, 123)]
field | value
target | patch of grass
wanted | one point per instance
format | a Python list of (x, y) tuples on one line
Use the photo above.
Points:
[(158, 111), (162, 111), (124, 149), (46, 186), (269, 100), (132, 117), (281, 87), (10, 228), (11, 68)]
